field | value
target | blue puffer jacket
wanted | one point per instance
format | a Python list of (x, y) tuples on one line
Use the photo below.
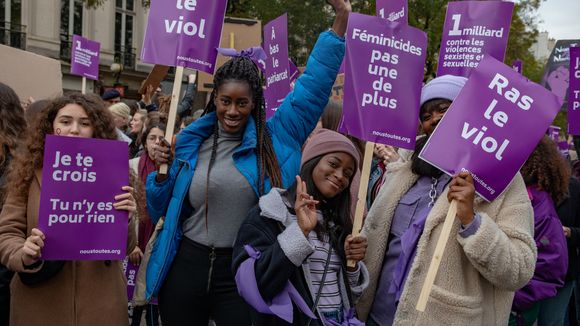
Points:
[(289, 128)]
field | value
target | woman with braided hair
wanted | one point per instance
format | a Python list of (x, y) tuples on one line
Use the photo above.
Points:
[(223, 163)]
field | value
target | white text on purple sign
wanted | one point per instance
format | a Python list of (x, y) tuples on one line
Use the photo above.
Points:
[(383, 64), (576, 93), (187, 28), (500, 118), (91, 212)]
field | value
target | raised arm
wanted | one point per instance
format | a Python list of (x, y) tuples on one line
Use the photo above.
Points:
[(302, 108)]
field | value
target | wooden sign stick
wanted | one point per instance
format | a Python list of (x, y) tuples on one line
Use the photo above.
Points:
[(362, 193), (84, 86), (172, 111), (437, 255)]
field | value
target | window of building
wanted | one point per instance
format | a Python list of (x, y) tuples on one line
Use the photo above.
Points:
[(12, 33), (71, 22), (71, 17), (124, 22)]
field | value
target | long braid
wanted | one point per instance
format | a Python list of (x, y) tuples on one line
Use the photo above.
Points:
[(266, 154)]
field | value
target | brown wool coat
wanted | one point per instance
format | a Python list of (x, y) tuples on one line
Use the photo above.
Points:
[(83, 293), (477, 276)]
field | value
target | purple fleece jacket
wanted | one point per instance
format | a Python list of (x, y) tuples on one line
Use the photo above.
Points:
[(552, 262)]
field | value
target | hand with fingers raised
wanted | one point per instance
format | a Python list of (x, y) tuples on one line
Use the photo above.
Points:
[(305, 207)]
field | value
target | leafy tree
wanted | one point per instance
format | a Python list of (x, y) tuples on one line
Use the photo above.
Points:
[(307, 18), (523, 33)]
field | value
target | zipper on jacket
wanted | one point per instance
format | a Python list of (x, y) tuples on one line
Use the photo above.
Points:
[(212, 257)]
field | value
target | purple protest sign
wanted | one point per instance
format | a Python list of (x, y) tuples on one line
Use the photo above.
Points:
[(517, 65), (342, 67), (80, 179), (85, 57), (184, 33), (393, 10), (564, 148), (492, 127), (130, 270), (384, 63), (574, 92), (277, 66), (554, 133), (473, 29), (294, 72)]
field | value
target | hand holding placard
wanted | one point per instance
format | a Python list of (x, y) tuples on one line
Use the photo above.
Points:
[(82, 214), (32, 247), (489, 130)]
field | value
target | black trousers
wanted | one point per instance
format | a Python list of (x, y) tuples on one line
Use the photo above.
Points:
[(5, 278), (151, 315), (200, 286)]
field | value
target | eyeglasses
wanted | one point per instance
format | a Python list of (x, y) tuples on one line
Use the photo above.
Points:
[(155, 138)]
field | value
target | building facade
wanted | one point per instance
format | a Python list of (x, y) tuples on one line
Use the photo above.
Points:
[(46, 27), (543, 46)]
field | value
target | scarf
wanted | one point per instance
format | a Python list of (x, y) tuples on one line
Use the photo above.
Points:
[(146, 226)]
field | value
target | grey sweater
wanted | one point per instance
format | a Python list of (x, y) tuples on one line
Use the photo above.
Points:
[(230, 196)]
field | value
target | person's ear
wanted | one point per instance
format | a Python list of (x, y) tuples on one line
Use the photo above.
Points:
[(214, 97)]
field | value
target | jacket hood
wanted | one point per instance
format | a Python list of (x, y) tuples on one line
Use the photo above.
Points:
[(273, 206)]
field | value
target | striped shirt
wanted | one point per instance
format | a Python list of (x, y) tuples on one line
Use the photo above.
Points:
[(330, 296)]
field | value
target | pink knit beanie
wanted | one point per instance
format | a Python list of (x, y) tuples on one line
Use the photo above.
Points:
[(325, 141)]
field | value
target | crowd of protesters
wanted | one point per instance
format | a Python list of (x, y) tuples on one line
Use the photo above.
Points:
[(252, 224)]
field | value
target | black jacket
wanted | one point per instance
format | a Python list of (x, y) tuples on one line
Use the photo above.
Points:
[(273, 269), (569, 213)]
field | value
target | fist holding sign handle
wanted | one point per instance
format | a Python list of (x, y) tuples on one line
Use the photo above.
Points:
[(462, 190), (461, 195), (162, 156), (32, 247)]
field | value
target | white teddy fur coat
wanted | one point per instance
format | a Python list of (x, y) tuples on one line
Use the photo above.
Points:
[(478, 275)]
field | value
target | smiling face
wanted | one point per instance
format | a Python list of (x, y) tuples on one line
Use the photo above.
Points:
[(333, 173), (72, 121), (431, 113), (234, 104)]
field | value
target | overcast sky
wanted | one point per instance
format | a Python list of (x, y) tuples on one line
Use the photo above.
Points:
[(561, 18)]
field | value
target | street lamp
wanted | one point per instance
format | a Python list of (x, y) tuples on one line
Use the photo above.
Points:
[(117, 69)]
